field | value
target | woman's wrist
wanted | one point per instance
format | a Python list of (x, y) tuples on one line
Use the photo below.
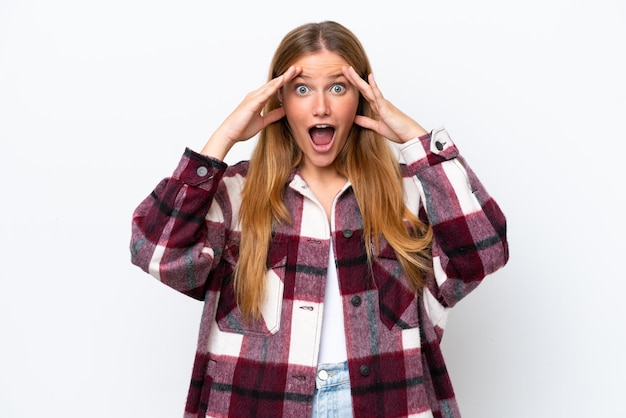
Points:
[(217, 147), (416, 131)]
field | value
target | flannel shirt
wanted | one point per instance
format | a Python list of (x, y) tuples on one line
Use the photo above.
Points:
[(186, 234)]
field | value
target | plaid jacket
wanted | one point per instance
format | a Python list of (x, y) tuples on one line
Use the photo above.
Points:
[(186, 235)]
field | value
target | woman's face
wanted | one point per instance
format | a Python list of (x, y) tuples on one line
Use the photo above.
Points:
[(320, 105)]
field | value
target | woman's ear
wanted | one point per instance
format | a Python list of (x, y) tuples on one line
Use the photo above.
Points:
[(279, 96)]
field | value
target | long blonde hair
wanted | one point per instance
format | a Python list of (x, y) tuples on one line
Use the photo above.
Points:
[(366, 160)]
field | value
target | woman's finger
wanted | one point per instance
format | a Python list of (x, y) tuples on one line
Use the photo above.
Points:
[(359, 83)]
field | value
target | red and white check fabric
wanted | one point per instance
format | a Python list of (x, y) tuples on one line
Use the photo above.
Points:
[(186, 234)]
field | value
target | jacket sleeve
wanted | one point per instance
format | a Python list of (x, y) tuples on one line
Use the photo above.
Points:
[(173, 238), (469, 229)]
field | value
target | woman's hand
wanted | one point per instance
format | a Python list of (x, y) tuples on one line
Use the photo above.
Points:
[(393, 124), (246, 120)]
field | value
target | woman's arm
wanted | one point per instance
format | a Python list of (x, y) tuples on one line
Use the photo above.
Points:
[(179, 231), (468, 226), (172, 237)]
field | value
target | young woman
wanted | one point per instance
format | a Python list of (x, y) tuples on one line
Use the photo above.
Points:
[(326, 267)]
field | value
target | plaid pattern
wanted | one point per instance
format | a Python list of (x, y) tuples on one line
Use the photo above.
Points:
[(186, 235)]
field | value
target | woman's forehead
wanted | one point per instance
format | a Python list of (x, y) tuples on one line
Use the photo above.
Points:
[(323, 63)]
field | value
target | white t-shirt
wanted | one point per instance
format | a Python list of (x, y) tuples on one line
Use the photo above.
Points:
[(333, 342)]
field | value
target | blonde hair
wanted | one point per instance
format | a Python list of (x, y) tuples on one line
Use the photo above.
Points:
[(366, 160)]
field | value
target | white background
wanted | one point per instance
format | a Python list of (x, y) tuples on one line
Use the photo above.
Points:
[(99, 98)]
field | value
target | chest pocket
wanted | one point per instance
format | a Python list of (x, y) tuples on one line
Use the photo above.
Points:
[(229, 317), (397, 301)]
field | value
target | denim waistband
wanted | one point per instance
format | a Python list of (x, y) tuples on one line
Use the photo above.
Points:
[(331, 374)]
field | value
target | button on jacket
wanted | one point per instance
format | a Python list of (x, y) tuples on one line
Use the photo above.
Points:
[(186, 235)]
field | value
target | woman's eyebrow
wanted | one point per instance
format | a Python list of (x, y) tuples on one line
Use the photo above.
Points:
[(330, 77)]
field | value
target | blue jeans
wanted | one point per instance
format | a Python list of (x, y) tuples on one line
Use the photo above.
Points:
[(332, 397)]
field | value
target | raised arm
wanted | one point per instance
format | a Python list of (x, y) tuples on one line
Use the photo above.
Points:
[(468, 226)]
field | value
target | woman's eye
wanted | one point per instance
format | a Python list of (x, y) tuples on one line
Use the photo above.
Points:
[(301, 89), (338, 88)]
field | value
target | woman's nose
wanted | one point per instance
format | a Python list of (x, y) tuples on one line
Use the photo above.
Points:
[(321, 106)]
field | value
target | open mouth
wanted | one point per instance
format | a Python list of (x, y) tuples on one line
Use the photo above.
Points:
[(322, 136)]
